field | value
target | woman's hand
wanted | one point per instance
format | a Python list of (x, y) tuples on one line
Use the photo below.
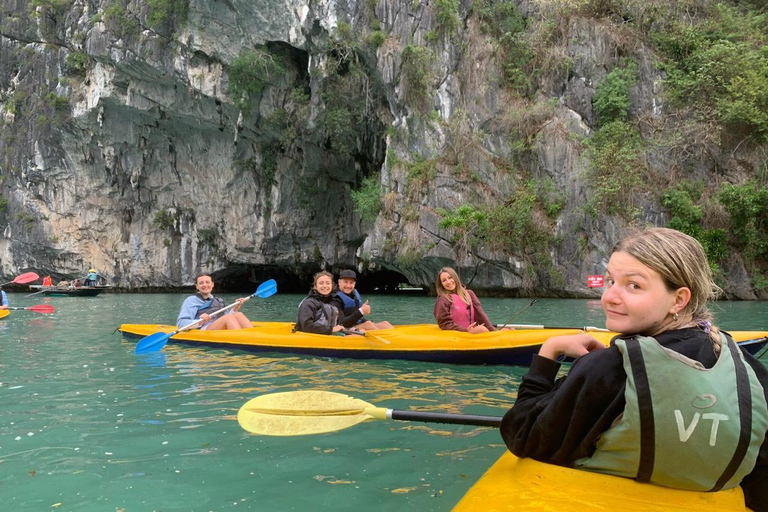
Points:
[(337, 328), (574, 345), (239, 303), (475, 328), (205, 317)]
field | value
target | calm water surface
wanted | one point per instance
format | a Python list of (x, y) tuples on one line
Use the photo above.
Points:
[(86, 425)]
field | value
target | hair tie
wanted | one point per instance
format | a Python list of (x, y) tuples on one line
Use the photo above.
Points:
[(706, 325)]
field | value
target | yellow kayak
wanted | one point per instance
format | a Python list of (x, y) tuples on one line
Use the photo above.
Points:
[(4, 313), (513, 484), (421, 342)]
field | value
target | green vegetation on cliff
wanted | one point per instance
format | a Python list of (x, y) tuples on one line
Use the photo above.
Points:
[(250, 73)]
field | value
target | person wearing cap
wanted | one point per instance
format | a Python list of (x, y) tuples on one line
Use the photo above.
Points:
[(353, 302), (322, 311), (91, 278)]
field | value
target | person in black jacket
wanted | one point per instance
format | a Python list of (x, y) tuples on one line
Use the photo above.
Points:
[(600, 416), (322, 312)]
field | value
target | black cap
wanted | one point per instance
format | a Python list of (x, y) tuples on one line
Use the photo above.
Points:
[(348, 274)]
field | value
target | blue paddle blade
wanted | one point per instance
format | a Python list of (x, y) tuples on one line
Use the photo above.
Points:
[(266, 289), (153, 342), (158, 340)]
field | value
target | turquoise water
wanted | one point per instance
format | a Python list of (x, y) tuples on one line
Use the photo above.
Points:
[(86, 425)]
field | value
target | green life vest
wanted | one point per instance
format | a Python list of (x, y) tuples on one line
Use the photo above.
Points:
[(683, 426)]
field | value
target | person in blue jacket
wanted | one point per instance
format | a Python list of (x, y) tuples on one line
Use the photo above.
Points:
[(3, 300), (200, 306), (91, 278), (353, 302)]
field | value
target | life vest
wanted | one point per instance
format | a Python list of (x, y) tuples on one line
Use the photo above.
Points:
[(351, 304), (463, 314), (209, 306), (683, 426)]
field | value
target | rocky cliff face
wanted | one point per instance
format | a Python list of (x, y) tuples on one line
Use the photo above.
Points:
[(155, 140)]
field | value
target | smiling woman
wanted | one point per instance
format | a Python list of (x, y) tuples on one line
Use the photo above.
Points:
[(322, 312), (458, 308), (200, 306), (634, 409)]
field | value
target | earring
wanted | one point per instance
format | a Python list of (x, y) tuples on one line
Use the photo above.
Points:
[(676, 317)]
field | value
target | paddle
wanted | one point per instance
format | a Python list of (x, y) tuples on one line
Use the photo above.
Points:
[(297, 413), (44, 289), (40, 308), (158, 340), (23, 279), (587, 328), (506, 324)]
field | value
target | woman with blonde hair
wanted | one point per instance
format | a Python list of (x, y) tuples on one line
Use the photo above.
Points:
[(673, 401), (458, 308)]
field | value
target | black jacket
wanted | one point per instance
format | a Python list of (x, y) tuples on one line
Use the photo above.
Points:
[(320, 313), (559, 421)]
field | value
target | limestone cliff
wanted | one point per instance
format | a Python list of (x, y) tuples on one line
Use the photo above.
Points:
[(155, 139)]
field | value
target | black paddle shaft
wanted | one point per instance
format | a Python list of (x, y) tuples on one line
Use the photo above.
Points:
[(454, 419)]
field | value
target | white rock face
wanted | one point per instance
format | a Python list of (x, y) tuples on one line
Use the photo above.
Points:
[(155, 174)]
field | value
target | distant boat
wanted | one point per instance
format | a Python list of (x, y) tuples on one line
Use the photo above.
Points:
[(81, 291)]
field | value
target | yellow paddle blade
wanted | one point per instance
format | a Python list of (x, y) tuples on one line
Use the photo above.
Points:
[(298, 413)]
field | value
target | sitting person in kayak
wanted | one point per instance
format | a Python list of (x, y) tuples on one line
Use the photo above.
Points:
[(458, 308), (3, 300), (322, 312), (673, 401), (200, 306), (47, 281), (352, 302)]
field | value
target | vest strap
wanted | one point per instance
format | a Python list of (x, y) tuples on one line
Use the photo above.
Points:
[(647, 425), (744, 391)]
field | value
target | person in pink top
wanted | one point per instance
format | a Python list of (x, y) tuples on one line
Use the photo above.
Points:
[(458, 308)]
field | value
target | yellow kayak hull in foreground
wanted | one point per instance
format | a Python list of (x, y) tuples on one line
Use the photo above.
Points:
[(513, 484), (421, 342), (4, 313)]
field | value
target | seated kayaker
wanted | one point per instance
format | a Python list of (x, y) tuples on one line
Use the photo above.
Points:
[(63, 284), (457, 308), (47, 281), (673, 401), (322, 312), (3, 300), (200, 306), (352, 301)]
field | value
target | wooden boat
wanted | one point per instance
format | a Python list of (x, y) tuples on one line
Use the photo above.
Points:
[(421, 342), (81, 291), (513, 484)]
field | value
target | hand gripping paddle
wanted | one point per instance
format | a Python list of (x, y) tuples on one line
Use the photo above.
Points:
[(158, 340)]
